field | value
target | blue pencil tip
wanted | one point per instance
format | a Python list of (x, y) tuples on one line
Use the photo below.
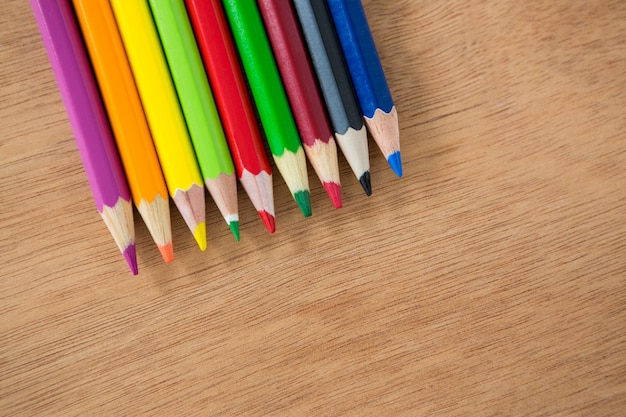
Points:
[(395, 161)]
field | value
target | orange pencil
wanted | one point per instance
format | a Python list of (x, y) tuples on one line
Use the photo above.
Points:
[(127, 119)]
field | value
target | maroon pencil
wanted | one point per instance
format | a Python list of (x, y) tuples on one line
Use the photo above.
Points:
[(303, 94)]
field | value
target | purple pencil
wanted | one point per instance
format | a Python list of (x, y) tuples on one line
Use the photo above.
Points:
[(85, 111)]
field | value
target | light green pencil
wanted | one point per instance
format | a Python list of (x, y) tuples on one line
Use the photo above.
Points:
[(196, 99)]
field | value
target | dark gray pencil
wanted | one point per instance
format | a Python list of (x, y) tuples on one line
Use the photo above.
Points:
[(336, 86)]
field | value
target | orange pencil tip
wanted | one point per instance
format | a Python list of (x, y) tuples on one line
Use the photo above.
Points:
[(167, 252)]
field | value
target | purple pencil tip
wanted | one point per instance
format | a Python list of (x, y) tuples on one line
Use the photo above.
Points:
[(130, 254)]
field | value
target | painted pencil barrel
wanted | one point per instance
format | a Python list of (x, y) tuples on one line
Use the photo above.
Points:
[(361, 56), (221, 62), (329, 61), (262, 74), (157, 94), (192, 87), (82, 101), (121, 99)]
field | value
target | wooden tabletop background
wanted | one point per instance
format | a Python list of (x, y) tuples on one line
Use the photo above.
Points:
[(490, 280)]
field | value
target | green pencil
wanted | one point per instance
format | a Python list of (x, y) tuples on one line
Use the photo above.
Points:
[(196, 99), (270, 98)]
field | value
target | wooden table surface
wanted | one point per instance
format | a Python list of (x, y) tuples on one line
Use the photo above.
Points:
[(490, 280)]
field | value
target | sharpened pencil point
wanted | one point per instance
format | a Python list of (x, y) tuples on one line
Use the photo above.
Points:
[(268, 219), (234, 227), (366, 183), (303, 198), (167, 252), (334, 192), (130, 254), (200, 235), (395, 161)]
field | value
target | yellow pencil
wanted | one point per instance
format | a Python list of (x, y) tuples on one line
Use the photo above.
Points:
[(127, 118), (163, 112)]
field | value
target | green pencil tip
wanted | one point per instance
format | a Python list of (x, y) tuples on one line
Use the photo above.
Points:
[(303, 199), (234, 227)]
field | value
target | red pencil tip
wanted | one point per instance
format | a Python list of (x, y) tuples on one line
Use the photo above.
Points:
[(167, 252), (334, 192), (130, 254), (269, 221)]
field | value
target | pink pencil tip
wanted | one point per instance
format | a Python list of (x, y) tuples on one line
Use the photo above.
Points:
[(268, 219), (334, 192), (167, 252), (130, 254)]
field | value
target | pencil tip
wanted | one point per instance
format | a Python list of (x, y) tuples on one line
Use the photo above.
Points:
[(396, 163), (200, 235), (130, 254), (167, 252), (334, 192), (303, 198), (366, 183), (268, 219), (234, 227)]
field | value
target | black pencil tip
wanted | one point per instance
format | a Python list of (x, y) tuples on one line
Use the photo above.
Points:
[(366, 183)]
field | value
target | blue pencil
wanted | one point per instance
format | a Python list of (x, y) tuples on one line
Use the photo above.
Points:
[(368, 77)]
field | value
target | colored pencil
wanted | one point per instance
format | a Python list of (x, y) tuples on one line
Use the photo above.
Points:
[(163, 113), (127, 119), (242, 132), (302, 92), (368, 78), (270, 98), (336, 85), (79, 91), (196, 100)]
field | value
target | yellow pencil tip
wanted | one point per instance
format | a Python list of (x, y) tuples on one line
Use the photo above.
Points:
[(200, 235)]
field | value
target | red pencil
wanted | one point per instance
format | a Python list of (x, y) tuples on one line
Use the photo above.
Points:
[(295, 69), (231, 95)]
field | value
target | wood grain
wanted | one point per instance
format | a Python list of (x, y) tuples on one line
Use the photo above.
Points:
[(490, 280)]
